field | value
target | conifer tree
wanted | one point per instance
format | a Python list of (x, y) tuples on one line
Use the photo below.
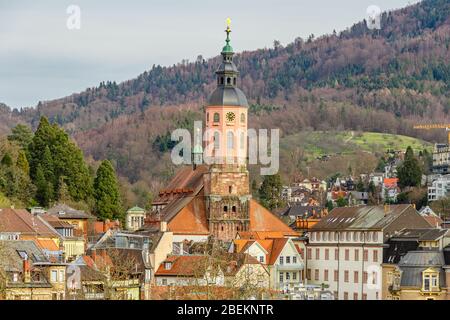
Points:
[(270, 192), (409, 173), (106, 193), (44, 188)]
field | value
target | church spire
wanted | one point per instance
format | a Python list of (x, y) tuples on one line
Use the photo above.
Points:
[(228, 48), (227, 93)]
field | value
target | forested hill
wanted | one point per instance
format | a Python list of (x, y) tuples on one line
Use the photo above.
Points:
[(358, 79)]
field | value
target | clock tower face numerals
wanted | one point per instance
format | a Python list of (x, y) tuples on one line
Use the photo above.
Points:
[(230, 116)]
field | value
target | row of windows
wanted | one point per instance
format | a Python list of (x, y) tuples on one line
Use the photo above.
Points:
[(327, 276), (287, 259), (355, 295), (221, 80), (216, 117), (288, 276), (356, 254), (345, 236)]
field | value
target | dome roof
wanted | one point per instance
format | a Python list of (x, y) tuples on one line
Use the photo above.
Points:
[(227, 96)]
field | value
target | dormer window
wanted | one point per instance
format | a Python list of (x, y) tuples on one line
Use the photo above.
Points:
[(430, 280), (167, 265)]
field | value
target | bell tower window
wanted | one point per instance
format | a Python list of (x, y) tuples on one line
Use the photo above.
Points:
[(228, 80)]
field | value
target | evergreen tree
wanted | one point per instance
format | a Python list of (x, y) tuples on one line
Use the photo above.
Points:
[(6, 160), (360, 186), (44, 188), (270, 192), (409, 173), (106, 193), (63, 191), (21, 134), (22, 162), (58, 156)]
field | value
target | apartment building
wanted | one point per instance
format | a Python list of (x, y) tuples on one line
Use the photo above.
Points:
[(345, 250)]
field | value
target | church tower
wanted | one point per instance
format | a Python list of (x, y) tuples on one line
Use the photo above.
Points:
[(226, 183)]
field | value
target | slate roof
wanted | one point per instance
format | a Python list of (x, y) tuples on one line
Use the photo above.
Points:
[(63, 211), (10, 258), (415, 262), (361, 217)]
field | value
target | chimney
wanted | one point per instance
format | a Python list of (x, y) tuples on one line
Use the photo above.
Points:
[(26, 271), (163, 226), (387, 208)]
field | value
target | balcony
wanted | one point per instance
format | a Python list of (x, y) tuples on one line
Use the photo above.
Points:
[(94, 296)]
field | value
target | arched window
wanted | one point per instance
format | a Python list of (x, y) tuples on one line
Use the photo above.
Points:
[(228, 80), (234, 81), (225, 208), (233, 209), (230, 189), (242, 117), (216, 117), (230, 140), (242, 143), (221, 80), (216, 140)]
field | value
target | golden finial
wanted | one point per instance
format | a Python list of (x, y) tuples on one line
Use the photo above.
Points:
[(228, 23)]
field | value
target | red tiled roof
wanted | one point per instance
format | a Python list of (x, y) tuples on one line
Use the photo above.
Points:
[(181, 266), (272, 246)]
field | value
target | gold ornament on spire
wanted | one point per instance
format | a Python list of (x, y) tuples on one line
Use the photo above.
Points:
[(228, 23)]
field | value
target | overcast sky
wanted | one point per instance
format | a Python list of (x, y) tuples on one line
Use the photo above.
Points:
[(41, 59)]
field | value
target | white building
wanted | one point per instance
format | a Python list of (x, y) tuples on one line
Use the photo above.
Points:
[(281, 257), (439, 188), (135, 218), (345, 249)]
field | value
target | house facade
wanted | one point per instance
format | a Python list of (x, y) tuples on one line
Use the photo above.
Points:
[(345, 250)]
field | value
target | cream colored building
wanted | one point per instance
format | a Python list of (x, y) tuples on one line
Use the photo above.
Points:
[(345, 250)]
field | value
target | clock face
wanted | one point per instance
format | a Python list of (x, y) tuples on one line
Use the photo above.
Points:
[(230, 116)]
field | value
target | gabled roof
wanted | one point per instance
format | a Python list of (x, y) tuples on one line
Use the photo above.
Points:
[(10, 258), (20, 220), (272, 247), (63, 211)]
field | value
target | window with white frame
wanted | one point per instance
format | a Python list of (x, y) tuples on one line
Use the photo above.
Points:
[(54, 276)]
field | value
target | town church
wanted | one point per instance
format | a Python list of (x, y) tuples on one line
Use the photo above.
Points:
[(215, 200)]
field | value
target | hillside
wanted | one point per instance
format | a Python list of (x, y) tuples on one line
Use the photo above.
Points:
[(325, 153), (369, 81)]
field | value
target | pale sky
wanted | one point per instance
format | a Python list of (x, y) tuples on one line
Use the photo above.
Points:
[(41, 59)]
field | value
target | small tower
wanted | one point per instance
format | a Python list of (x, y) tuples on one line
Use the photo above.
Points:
[(226, 184), (197, 152)]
